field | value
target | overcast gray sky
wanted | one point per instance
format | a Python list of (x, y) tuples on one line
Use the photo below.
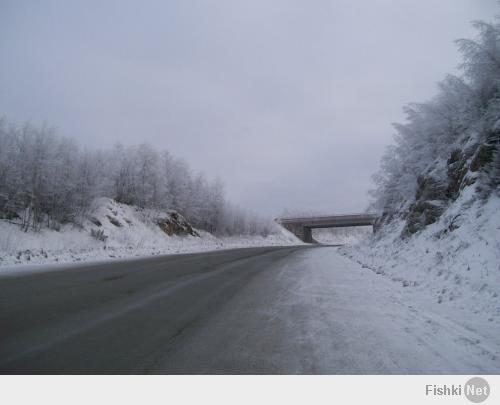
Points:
[(290, 102)]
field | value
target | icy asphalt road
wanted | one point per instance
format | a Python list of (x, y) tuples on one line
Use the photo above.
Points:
[(290, 310)]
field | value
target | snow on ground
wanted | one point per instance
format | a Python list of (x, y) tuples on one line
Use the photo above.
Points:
[(318, 312), (364, 322), (342, 236), (129, 231), (451, 267)]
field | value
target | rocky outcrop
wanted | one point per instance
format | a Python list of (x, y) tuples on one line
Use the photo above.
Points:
[(421, 214), (175, 224), (457, 170), (429, 188), (110, 221), (431, 196), (483, 156), (462, 169)]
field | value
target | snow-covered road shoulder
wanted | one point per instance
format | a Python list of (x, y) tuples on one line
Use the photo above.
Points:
[(389, 328)]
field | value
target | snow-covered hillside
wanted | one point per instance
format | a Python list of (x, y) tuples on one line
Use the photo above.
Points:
[(113, 230), (454, 266), (438, 190)]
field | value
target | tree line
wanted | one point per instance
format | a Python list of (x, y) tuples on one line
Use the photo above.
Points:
[(47, 180), (460, 125)]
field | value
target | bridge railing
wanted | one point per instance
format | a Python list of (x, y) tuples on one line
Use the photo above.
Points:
[(368, 216)]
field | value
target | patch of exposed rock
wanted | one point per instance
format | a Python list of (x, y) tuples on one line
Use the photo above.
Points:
[(462, 169), (175, 224)]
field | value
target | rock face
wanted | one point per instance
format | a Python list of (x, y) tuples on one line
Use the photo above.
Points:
[(429, 188), (430, 203), (423, 213), (483, 156), (462, 169), (175, 224), (457, 169)]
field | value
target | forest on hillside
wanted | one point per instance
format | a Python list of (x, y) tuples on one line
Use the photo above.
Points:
[(47, 180), (447, 143)]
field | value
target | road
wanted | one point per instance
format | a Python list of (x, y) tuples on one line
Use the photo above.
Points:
[(288, 310)]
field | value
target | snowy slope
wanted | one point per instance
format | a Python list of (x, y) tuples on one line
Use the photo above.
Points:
[(438, 190), (383, 327), (127, 231), (453, 262)]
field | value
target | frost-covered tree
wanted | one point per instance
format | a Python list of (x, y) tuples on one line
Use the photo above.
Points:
[(47, 180), (443, 138)]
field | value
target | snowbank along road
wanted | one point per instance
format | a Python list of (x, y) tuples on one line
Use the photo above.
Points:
[(272, 310)]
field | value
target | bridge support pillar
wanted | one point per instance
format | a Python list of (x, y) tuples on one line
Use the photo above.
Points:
[(307, 235), (304, 233)]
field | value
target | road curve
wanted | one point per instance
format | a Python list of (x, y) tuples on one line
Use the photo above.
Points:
[(275, 310), (124, 316)]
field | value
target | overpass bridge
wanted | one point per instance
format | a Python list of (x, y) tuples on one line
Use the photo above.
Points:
[(302, 226)]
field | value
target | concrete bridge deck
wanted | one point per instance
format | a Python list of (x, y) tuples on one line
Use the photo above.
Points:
[(302, 226)]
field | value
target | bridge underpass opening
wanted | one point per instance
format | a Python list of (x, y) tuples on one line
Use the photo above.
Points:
[(341, 235), (303, 227)]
